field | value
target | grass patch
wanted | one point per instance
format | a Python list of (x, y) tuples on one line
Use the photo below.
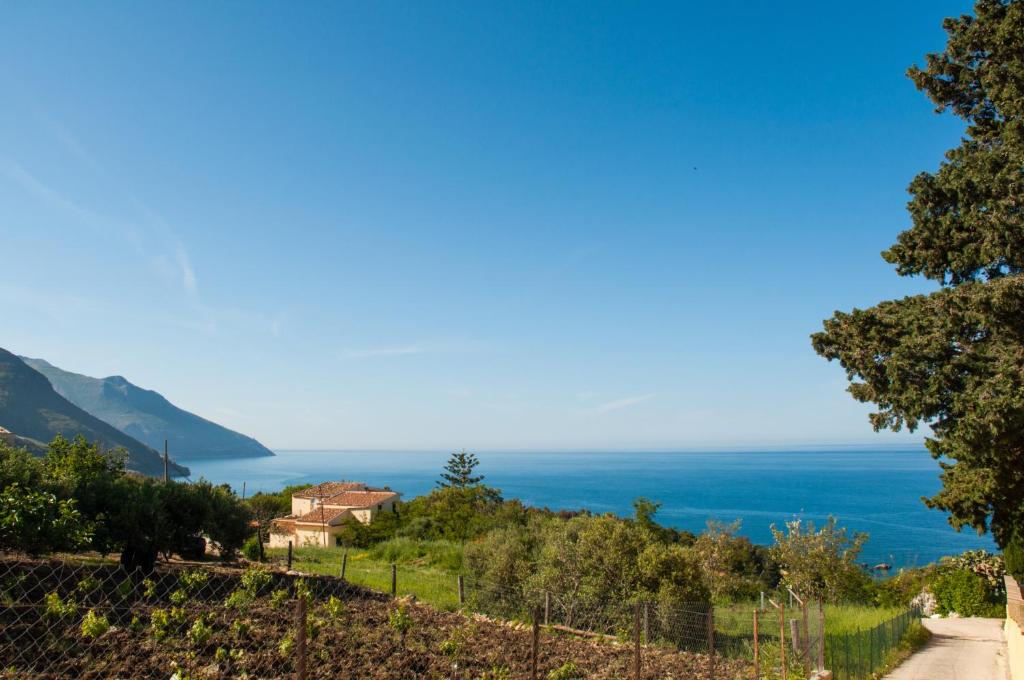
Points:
[(438, 587), (738, 619)]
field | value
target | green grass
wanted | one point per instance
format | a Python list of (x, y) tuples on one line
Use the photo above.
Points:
[(435, 586), (845, 618)]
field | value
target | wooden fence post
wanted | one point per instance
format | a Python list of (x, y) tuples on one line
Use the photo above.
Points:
[(300, 638), (711, 636), (757, 649), (794, 636), (344, 563), (806, 640), (394, 580), (636, 642), (647, 622), (547, 607), (821, 636), (462, 590), (289, 555), (535, 644)]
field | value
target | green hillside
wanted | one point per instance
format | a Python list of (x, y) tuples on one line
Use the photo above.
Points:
[(148, 416), (31, 408)]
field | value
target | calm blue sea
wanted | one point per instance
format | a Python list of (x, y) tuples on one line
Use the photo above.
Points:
[(874, 491)]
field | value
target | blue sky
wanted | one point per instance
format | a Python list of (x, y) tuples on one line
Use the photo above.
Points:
[(442, 225)]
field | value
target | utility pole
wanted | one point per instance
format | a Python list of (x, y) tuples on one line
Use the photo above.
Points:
[(167, 472)]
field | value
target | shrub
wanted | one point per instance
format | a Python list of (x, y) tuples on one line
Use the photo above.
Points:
[(1013, 554), (334, 607), (961, 591), (94, 625), (251, 549), (278, 597), (255, 580), (87, 584), (57, 608), (240, 628), (194, 580), (200, 632), (286, 645), (400, 620), (238, 599), (567, 671)]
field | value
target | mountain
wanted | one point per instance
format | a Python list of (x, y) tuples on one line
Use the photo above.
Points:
[(31, 408), (148, 416)]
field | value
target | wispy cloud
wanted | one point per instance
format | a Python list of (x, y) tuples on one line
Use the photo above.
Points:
[(619, 404), (371, 353)]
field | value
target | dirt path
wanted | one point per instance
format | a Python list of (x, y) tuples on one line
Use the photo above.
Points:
[(960, 649)]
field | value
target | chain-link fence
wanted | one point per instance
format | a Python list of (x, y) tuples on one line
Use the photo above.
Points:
[(62, 619)]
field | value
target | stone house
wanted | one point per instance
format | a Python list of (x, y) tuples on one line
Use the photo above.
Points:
[(319, 512)]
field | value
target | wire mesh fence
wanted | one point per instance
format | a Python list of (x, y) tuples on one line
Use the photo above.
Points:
[(64, 619), (61, 619), (858, 654), (73, 619)]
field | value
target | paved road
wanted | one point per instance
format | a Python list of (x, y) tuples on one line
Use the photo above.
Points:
[(960, 649)]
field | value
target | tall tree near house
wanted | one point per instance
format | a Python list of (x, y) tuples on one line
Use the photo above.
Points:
[(954, 359), (458, 471)]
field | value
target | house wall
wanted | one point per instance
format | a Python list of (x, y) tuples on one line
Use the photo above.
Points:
[(367, 515), (279, 540), (321, 537), (300, 506), (1013, 629)]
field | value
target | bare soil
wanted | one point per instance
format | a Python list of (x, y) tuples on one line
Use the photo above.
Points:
[(258, 639)]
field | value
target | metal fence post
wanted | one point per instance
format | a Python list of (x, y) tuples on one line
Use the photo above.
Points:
[(462, 590), (300, 638), (757, 649), (394, 580), (871, 656), (289, 555), (344, 563), (782, 639)]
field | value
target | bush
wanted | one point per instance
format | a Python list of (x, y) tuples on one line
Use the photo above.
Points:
[(961, 591), (1014, 556), (251, 549), (567, 671), (94, 625)]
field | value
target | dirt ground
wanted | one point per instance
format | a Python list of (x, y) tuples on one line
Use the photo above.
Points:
[(357, 635)]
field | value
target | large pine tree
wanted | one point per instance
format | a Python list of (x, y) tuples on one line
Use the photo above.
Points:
[(954, 359), (458, 471)]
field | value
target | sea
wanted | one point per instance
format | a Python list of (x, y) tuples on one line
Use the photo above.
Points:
[(867, 490)]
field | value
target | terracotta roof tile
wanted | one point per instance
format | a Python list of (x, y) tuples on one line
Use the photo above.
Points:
[(318, 515), (329, 489), (359, 499)]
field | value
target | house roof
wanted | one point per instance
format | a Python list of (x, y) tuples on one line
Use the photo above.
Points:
[(320, 515), (325, 489), (359, 499)]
